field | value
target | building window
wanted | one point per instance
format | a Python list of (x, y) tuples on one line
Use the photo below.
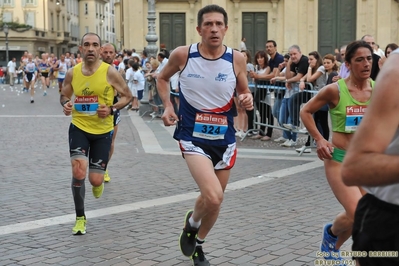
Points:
[(30, 18), (86, 9), (52, 21), (87, 29), (7, 16), (8, 2)]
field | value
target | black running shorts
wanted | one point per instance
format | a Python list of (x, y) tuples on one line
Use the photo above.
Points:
[(95, 147), (376, 232)]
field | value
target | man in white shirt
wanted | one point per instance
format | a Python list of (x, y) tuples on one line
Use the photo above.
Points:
[(243, 46), (163, 60), (139, 82), (12, 70)]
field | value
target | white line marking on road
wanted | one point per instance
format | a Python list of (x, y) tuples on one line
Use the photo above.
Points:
[(64, 219)]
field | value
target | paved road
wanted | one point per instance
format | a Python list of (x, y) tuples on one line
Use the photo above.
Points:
[(273, 212)]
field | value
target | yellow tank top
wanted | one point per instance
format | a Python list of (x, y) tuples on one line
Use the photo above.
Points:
[(90, 92)]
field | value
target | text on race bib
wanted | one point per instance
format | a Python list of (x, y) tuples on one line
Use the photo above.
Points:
[(210, 126), (354, 114), (86, 104)]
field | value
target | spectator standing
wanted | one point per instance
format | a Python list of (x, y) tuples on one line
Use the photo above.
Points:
[(377, 61), (241, 121), (12, 70), (390, 48), (297, 68), (243, 46), (275, 59), (138, 83), (263, 99)]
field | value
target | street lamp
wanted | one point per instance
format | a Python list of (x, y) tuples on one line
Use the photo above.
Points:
[(5, 29)]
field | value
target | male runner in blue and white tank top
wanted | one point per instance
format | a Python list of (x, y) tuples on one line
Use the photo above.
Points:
[(372, 161), (210, 73), (30, 76)]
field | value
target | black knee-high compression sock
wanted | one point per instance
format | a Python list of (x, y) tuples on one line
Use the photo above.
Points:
[(78, 192)]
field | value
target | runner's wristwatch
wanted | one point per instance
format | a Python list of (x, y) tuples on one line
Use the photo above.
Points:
[(113, 110)]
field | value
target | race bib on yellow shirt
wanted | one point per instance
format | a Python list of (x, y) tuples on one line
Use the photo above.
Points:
[(210, 126), (86, 104)]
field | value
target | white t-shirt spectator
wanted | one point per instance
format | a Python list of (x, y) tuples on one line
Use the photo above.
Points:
[(121, 66), (162, 64), (322, 80), (129, 78), (12, 67), (243, 47), (174, 81), (139, 78)]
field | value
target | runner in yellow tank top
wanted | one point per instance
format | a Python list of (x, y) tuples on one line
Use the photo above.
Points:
[(88, 94), (347, 100)]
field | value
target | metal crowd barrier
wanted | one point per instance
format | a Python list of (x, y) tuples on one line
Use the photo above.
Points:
[(267, 115)]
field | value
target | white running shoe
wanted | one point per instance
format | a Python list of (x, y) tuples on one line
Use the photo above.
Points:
[(290, 126), (239, 134), (289, 143), (305, 149), (303, 130), (280, 139)]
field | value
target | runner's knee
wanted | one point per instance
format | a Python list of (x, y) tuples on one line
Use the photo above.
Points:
[(79, 169)]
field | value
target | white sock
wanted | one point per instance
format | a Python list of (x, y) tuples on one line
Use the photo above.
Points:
[(200, 241), (194, 223)]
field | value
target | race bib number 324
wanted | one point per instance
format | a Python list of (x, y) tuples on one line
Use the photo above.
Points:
[(210, 126), (86, 104)]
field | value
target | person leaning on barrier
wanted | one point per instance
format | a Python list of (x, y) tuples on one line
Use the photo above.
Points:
[(317, 77), (242, 121), (297, 68), (271, 71), (288, 138), (262, 99), (372, 162)]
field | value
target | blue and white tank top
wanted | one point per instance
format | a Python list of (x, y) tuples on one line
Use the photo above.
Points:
[(30, 67), (206, 90), (44, 67), (62, 70)]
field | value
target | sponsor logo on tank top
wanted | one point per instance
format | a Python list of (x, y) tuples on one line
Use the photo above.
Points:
[(197, 76), (221, 77)]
